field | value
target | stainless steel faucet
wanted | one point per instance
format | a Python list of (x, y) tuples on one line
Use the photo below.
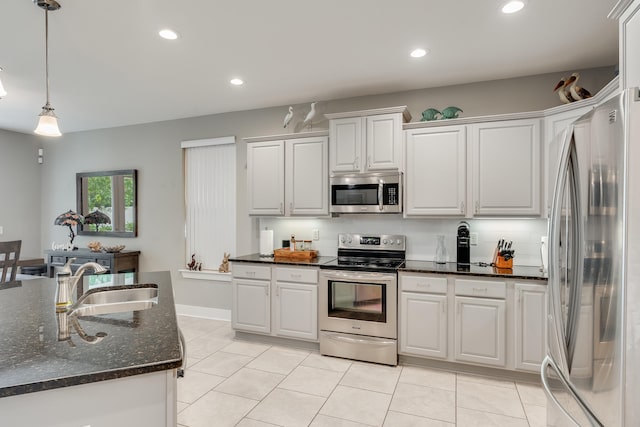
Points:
[(66, 282)]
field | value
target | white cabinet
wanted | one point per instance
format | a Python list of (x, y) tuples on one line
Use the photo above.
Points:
[(423, 326), (251, 300), (506, 167), (295, 303), (629, 21), (530, 325), (436, 171), (139, 400), (307, 176), (265, 178), (275, 300), (288, 177), (480, 323), (368, 140), (554, 125)]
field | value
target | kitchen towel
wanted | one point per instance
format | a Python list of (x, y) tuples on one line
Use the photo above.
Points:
[(266, 242)]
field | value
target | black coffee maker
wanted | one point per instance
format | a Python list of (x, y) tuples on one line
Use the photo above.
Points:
[(464, 244)]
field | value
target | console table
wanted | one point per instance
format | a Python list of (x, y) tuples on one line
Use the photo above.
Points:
[(119, 262)]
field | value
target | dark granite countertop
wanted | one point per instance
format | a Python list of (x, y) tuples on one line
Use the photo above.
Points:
[(271, 260), (518, 272), (32, 358)]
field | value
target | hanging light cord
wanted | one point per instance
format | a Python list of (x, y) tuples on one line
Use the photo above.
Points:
[(46, 50)]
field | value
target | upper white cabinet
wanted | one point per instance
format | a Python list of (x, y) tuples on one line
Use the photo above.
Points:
[(628, 14), (369, 140), (265, 178), (288, 176), (436, 171), (506, 167)]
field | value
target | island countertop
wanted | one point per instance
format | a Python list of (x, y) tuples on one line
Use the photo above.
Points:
[(32, 358)]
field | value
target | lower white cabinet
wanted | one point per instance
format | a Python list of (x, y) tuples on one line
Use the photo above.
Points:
[(530, 314), (480, 330), (251, 298), (423, 324), (275, 301), (295, 305)]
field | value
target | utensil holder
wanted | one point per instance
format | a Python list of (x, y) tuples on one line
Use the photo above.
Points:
[(504, 263)]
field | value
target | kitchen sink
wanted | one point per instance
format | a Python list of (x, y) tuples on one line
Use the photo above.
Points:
[(116, 299)]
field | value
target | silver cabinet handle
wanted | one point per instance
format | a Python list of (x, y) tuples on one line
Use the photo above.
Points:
[(356, 163), (281, 207), (461, 207), (477, 206), (369, 161), (290, 207)]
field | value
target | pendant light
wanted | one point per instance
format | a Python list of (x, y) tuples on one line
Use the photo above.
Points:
[(2, 91), (48, 122)]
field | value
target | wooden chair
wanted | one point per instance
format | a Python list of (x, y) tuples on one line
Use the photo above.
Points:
[(9, 255)]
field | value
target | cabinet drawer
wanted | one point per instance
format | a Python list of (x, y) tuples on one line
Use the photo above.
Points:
[(429, 284), (58, 259), (481, 288), (105, 262), (249, 271), (297, 275)]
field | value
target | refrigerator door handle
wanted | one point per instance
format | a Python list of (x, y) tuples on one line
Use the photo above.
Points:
[(549, 363)]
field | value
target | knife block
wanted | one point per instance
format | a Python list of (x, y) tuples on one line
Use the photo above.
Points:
[(504, 263)]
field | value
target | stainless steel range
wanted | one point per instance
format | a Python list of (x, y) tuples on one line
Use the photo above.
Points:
[(358, 298)]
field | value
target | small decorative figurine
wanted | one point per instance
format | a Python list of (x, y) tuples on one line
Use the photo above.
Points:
[(95, 246), (288, 117), (451, 112), (310, 115), (430, 114), (224, 267), (192, 265), (569, 91)]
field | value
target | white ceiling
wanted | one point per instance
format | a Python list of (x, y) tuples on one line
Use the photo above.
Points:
[(109, 68)]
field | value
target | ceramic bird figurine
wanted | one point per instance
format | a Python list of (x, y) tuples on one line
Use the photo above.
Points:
[(577, 92), (430, 114), (288, 117), (310, 115), (451, 113), (563, 93)]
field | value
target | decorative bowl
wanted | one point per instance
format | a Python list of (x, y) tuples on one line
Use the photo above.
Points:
[(113, 249)]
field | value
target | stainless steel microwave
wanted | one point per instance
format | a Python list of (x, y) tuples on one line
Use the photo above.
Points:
[(366, 193)]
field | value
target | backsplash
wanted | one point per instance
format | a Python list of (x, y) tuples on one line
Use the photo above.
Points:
[(421, 234)]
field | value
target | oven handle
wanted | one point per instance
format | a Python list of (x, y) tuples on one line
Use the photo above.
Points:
[(342, 338), (350, 276)]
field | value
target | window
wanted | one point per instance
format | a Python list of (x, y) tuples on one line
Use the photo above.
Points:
[(210, 199)]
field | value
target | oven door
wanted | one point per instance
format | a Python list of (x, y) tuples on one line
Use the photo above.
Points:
[(359, 303)]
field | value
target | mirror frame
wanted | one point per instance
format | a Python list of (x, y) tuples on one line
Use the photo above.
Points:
[(80, 201)]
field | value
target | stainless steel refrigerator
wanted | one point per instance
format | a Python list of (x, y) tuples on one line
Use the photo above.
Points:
[(591, 371)]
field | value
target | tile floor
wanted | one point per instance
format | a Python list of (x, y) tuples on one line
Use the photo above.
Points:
[(236, 383)]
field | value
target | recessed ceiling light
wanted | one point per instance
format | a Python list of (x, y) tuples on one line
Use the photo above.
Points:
[(513, 6), (168, 34), (418, 53), (236, 82)]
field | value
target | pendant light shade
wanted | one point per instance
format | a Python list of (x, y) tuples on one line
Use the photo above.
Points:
[(48, 122), (2, 91)]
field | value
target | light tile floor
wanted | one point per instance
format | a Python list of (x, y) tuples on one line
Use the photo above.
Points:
[(230, 382)]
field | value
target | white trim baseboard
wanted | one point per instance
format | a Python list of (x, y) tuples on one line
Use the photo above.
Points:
[(205, 312)]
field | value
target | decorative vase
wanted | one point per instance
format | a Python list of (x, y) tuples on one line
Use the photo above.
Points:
[(441, 251)]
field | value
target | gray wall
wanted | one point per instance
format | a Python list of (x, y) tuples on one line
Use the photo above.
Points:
[(154, 149), (20, 191)]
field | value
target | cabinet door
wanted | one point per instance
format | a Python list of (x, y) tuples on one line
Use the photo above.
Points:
[(630, 46), (384, 139), (480, 331), (345, 139), (296, 310), (436, 171), (265, 177), (530, 327), (251, 310), (423, 324), (554, 126), (506, 167), (307, 176)]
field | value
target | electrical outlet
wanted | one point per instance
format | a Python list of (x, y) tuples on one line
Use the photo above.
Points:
[(474, 239), (315, 234)]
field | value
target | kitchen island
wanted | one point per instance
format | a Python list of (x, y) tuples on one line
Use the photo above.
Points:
[(108, 369)]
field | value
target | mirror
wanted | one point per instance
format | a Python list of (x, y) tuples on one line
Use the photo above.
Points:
[(108, 202)]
